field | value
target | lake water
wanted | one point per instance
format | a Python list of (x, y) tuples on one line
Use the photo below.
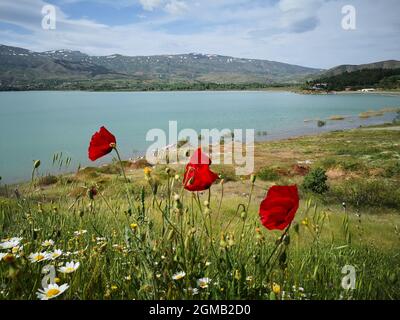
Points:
[(35, 125)]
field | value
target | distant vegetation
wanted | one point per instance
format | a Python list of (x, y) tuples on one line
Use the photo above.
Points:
[(121, 85), (367, 78)]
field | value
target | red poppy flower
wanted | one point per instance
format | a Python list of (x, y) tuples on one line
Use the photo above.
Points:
[(101, 144), (278, 208), (198, 176)]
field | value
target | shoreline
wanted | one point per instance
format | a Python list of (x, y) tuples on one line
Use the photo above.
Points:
[(268, 89), (261, 141)]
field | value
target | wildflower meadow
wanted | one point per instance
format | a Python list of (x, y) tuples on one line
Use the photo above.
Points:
[(171, 232)]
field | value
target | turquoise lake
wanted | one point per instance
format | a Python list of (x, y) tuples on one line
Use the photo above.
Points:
[(35, 125)]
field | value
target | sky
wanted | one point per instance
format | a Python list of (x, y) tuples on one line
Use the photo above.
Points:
[(303, 32)]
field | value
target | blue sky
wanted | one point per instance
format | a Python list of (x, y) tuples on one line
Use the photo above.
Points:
[(304, 32)]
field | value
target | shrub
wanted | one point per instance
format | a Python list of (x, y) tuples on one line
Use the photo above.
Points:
[(47, 180), (393, 170), (227, 172), (268, 174), (315, 181), (368, 193), (396, 120)]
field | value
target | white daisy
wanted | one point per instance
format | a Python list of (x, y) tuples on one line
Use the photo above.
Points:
[(48, 243), (179, 275), (69, 267), (38, 256), (55, 254), (192, 291), (17, 249), (203, 282), (79, 233), (101, 240), (10, 243), (52, 291), (195, 291)]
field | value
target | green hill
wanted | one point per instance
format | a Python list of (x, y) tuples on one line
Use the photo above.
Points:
[(384, 78)]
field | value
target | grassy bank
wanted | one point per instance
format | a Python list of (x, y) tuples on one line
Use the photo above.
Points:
[(134, 237)]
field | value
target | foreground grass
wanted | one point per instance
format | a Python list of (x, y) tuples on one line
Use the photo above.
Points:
[(133, 246)]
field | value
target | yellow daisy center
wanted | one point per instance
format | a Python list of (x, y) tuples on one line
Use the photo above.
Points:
[(69, 269), (39, 257), (52, 292)]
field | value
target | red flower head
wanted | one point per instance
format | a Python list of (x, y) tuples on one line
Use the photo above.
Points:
[(101, 144), (198, 176), (277, 210)]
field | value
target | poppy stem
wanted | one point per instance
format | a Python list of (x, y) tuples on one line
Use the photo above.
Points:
[(126, 179), (122, 166), (220, 202), (280, 241)]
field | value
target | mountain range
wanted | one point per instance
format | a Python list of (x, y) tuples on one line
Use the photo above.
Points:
[(18, 64), (22, 69)]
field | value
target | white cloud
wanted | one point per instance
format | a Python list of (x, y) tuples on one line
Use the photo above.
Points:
[(150, 5), (176, 7), (299, 15), (229, 27)]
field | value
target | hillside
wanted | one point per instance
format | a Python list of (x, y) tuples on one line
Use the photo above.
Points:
[(25, 69), (389, 64), (384, 78)]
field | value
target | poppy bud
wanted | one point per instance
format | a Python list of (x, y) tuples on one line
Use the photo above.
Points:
[(167, 170), (231, 241), (9, 258), (253, 178), (170, 235), (222, 244), (393, 278), (243, 215), (92, 192), (36, 164)]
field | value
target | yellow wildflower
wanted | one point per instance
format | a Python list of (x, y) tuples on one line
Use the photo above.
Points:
[(276, 288)]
